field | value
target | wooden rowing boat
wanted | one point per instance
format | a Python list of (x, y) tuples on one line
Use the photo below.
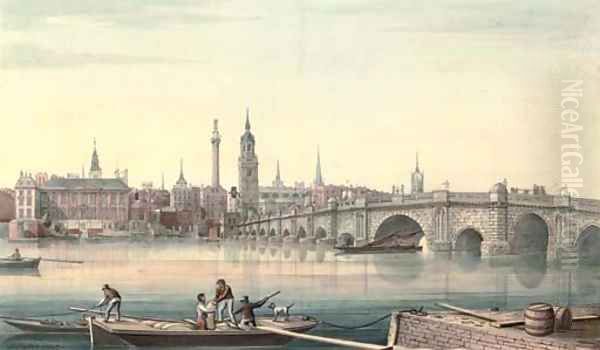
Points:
[(23, 263), (46, 326), (393, 243), (156, 333), (379, 250)]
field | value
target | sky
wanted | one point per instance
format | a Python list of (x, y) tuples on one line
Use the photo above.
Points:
[(474, 86)]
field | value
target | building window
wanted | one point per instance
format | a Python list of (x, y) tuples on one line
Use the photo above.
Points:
[(29, 212), (249, 173), (20, 213), (29, 200)]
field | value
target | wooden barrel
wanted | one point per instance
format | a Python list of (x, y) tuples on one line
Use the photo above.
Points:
[(563, 320), (539, 319)]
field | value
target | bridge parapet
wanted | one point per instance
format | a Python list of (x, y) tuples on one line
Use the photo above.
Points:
[(527, 199), (470, 197), (586, 204)]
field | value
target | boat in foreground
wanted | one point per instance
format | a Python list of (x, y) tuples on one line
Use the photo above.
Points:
[(23, 263), (142, 333), (47, 326)]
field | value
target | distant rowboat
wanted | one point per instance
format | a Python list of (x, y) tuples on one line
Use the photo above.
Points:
[(393, 243), (23, 263)]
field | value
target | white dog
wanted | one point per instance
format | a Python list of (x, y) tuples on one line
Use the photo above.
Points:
[(283, 311)]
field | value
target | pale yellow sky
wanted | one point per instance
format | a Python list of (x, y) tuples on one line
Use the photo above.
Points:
[(474, 86)]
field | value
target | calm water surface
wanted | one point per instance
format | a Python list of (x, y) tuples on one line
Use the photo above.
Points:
[(161, 278)]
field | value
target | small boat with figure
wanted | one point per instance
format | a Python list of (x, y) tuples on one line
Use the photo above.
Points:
[(21, 263), (145, 333), (390, 244)]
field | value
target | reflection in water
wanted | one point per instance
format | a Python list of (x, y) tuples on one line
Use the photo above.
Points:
[(467, 261), (161, 278), (18, 272), (530, 269)]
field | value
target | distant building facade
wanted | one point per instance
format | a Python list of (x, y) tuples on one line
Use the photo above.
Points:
[(320, 193), (278, 197), (70, 204)]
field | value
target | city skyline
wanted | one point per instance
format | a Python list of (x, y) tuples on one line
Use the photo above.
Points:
[(470, 88)]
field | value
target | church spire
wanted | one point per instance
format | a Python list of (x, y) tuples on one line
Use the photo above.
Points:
[(181, 180), (278, 182), (417, 163), (318, 175), (278, 176), (247, 119), (95, 170)]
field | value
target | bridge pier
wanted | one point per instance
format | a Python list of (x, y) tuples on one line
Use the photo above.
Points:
[(494, 248)]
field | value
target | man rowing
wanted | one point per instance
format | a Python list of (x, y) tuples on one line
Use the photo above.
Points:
[(16, 255), (112, 298)]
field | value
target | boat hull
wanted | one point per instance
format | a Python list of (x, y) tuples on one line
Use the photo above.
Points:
[(39, 326), (25, 263), (105, 335), (377, 250)]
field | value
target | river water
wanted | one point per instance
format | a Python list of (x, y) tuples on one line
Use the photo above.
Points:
[(161, 279)]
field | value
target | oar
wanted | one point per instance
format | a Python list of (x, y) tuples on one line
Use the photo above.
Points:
[(63, 261)]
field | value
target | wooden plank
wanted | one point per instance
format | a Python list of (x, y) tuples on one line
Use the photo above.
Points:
[(393, 330), (501, 324), (466, 312), (331, 341), (513, 323)]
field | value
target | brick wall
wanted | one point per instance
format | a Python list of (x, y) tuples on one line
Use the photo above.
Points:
[(432, 333)]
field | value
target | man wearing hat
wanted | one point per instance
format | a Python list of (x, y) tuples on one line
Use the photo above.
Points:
[(247, 310), (112, 298)]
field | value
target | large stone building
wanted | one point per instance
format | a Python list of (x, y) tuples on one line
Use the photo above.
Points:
[(70, 204), (248, 172), (7, 205), (280, 198)]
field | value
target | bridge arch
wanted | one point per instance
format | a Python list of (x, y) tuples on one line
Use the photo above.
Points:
[(531, 235), (263, 232), (401, 225), (301, 232), (321, 233), (345, 240), (286, 232), (468, 241), (588, 245), (272, 233), (253, 233)]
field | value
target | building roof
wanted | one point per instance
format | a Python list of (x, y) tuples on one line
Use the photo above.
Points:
[(86, 184)]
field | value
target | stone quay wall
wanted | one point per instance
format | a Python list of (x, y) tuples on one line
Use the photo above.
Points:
[(413, 331)]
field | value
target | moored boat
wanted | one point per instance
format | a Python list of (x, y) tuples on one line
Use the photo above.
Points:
[(142, 333), (47, 326), (23, 263), (393, 243)]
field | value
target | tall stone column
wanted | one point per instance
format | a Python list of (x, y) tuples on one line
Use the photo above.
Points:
[(215, 141)]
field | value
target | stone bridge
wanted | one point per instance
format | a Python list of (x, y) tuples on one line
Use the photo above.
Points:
[(487, 223)]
